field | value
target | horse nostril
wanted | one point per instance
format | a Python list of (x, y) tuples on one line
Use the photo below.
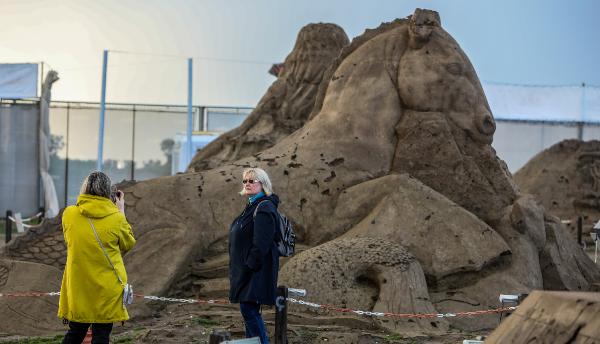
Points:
[(486, 124)]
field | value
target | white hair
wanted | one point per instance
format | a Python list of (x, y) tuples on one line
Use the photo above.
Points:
[(260, 175)]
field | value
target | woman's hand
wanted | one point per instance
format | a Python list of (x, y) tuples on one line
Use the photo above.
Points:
[(120, 201)]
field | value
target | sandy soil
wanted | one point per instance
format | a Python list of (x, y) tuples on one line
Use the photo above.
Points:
[(185, 323)]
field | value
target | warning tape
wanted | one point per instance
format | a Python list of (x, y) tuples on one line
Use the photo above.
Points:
[(298, 302)]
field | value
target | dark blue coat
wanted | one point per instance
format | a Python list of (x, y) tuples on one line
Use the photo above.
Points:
[(253, 255)]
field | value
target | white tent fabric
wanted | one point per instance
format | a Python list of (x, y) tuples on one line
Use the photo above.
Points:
[(50, 197), (544, 103), (592, 104), (18, 80)]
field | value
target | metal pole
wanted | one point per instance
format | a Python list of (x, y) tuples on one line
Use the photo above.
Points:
[(281, 315), (597, 240), (203, 126), (583, 114), (8, 227), (579, 230), (133, 146), (189, 123), (39, 91), (67, 156), (102, 111)]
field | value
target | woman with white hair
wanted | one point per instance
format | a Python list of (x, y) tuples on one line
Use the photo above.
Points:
[(96, 232), (253, 254)]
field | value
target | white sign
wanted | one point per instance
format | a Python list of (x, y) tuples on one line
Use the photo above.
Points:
[(19, 223), (18, 80)]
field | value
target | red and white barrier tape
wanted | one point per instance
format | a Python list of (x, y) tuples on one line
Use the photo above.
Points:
[(401, 315), (298, 302)]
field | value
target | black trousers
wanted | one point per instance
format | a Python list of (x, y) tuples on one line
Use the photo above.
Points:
[(77, 332)]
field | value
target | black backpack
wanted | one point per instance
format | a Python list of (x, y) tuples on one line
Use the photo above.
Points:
[(286, 240)]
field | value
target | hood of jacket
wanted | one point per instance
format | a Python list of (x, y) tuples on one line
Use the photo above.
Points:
[(273, 198), (95, 206)]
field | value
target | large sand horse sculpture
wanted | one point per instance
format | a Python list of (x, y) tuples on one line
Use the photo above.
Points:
[(392, 185)]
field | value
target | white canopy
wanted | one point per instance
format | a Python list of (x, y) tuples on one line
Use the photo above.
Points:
[(544, 103), (18, 80)]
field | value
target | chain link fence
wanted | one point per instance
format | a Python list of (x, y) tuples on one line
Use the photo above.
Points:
[(141, 141)]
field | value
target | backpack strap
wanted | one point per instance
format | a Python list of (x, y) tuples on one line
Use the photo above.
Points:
[(277, 229), (256, 209)]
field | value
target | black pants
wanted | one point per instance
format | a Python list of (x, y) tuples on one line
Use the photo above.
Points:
[(77, 332)]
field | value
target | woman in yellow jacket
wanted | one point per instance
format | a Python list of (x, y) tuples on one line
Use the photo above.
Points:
[(91, 293)]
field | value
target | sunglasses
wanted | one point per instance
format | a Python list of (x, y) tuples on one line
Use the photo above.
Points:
[(250, 181)]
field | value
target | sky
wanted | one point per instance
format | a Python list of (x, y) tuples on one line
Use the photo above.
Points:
[(542, 42)]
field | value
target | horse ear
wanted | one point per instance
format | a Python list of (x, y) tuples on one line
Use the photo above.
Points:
[(421, 25)]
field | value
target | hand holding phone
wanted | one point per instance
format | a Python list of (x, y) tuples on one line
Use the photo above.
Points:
[(120, 200)]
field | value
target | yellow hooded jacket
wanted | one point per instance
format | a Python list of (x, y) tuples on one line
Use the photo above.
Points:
[(90, 291)]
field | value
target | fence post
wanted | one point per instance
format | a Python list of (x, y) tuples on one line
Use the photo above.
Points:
[(8, 226), (281, 315), (579, 230)]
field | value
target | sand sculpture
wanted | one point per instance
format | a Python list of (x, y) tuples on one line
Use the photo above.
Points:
[(552, 317), (28, 315), (395, 157), (286, 105), (565, 178)]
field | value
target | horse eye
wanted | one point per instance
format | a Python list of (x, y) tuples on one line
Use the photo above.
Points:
[(454, 68)]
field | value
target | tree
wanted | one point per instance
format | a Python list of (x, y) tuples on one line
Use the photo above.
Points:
[(56, 144)]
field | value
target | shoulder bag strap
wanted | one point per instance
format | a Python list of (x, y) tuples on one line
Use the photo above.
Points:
[(103, 250)]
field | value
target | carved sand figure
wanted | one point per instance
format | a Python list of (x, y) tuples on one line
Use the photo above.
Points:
[(395, 157), (565, 178), (286, 105), (402, 98)]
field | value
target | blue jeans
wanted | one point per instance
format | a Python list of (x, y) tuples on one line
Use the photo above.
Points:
[(255, 327)]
